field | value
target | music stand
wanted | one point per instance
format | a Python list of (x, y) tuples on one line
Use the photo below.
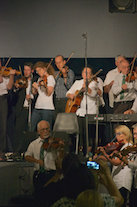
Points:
[(67, 122)]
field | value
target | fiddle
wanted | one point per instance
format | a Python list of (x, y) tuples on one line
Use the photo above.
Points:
[(44, 81), (23, 82), (125, 151), (6, 71), (110, 147), (131, 76), (52, 142)]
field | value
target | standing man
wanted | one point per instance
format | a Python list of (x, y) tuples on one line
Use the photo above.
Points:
[(124, 91), (64, 80), (109, 80), (5, 85), (23, 97)]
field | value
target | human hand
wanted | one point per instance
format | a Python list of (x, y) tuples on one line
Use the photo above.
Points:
[(124, 86), (41, 163), (130, 111), (28, 97), (35, 85), (12, 72)]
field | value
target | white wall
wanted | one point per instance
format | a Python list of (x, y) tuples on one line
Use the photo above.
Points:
[(45, 28)]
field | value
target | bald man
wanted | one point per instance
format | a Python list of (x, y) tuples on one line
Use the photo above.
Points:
[(44, 161), (124, 92)]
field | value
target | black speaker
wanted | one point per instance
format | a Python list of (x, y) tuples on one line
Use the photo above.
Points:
[(122, 6), (28, 137)]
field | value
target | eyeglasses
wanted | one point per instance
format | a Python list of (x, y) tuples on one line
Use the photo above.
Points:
[(45, 129), (117, 134)]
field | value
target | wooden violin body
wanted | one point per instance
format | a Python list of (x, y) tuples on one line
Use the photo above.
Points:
[(23, 82), (51, 142), (6, 71)]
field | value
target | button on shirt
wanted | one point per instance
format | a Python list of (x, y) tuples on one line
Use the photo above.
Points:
[(91, 98), (129, 93), (60, 87), (109, 78), (49, 157)]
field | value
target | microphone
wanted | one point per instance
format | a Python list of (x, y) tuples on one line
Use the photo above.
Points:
[(84, 34)]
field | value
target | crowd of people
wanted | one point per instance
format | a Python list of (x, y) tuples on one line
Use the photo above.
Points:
[(38, 98)]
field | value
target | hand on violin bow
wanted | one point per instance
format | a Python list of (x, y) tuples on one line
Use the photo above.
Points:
[(28, 97), (84, 87), (124, 86), (12, 72), (40, 162), (35, 85)]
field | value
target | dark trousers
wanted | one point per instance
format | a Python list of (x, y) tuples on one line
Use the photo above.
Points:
[(60, 105), (21, 125), (121, 107), (3, 122), (133, 197), (124, 192)]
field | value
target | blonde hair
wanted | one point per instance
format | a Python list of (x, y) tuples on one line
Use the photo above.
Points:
[(126, 131), (89, 198)]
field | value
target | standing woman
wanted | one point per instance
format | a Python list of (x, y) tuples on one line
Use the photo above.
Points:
[(44, 87), (121, 174)]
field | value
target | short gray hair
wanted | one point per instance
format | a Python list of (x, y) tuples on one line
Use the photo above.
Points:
[(119, 56), (134, 126)]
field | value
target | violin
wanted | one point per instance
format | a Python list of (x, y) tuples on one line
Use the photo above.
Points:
[(131, 77), (23, 82), (51, 142), (6, 71), (44, 77), (112, 146)]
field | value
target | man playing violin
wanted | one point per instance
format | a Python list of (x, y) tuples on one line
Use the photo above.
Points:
[(5, 85), (64, 80), (43, 159), (23, 97), (124, 91), (109, 80)]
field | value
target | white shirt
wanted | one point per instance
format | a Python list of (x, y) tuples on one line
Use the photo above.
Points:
[(44, 101), (91, 99), (133, 166), (49, 157), (109, 78), (100, 86), (122, 176), (129, 93), (3, 86), (26, 104)]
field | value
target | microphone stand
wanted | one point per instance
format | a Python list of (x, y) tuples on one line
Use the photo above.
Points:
[(29, 102), (87, 143), (97, 113)]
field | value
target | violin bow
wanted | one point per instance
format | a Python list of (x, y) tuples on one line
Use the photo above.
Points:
[(48, 66), (133, 62), (20, 71), (5, 66)]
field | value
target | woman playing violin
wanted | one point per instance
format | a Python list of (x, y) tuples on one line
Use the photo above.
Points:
[(44, 87), (122, 175), (5, 85), (133, 166)]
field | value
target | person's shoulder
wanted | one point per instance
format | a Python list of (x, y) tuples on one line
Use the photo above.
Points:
[(114, 70), (108, 200)]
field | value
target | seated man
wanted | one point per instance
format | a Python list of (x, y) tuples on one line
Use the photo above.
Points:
[(43, 159)]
